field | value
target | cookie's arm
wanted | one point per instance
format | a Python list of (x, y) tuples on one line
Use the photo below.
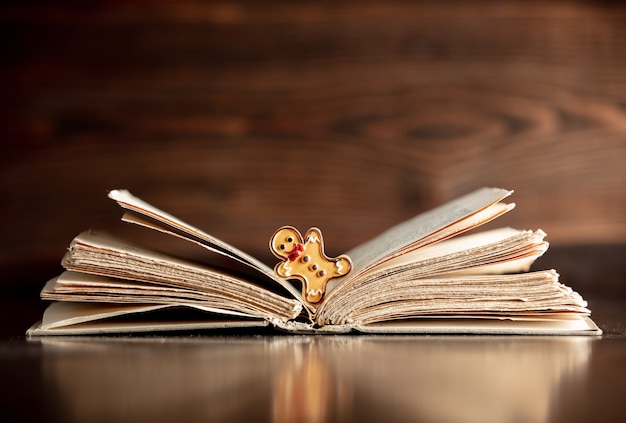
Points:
[(343, 264), (314, 235), (283, 270)]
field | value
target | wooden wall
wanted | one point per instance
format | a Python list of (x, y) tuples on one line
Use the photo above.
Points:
[(242, 116)]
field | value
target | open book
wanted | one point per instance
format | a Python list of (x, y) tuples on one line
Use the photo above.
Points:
[(421, 276)]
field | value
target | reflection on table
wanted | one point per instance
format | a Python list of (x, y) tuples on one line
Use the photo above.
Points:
[(310, 378)]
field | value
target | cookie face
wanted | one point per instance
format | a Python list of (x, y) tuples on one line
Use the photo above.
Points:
[(286, 243), (303, 258)]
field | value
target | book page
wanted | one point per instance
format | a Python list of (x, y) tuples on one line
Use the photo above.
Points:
[(87, 288), (582, 326), (164, 278), (165, 222), (402, 236), (535, 295), (65, 318), (144, 214), (448, 260), (410, 236), (472, 242)]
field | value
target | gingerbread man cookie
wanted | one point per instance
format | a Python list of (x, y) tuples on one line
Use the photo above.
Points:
[(304, 259)]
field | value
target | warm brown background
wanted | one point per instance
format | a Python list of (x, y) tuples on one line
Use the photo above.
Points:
[(240, 117)]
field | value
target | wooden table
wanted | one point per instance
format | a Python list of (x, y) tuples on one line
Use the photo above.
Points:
[(273, 377), (316, 378)]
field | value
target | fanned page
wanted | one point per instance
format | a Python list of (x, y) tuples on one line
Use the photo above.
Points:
[(443, 222), (68, 318), (144, 214), (440, 223), (456, 286), (145, 276), (172, 224)]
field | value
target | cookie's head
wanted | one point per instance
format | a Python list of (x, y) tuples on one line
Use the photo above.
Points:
[(286, 242)]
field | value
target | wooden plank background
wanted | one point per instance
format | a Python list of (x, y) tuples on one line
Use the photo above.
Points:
[(243, 116)]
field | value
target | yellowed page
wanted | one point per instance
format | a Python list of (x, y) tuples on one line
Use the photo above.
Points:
[(144, 214), (407, 234), (65, 318)]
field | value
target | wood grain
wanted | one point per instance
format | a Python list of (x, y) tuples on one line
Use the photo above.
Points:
[(352, 116)]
